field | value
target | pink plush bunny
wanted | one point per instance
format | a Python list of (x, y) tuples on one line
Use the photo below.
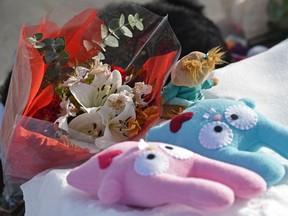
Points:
[(152, 174)]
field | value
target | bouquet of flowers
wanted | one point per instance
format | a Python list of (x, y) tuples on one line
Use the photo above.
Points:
[(83, 82)]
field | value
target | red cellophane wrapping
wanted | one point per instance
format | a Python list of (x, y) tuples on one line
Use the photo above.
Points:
[(28, 144)]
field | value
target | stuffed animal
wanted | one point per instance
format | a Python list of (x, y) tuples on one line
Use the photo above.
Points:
[(188, 77), (230, 131), (151, 174)]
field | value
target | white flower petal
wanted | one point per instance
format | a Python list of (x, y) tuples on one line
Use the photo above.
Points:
[(105, 141), (62, 122), (115, 105), (88, 123), (81, 71), (83, 93), (125, 88), (70, 81), (115, 130), (99, 79)]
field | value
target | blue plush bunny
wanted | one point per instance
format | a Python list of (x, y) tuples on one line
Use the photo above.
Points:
[(230, 131)]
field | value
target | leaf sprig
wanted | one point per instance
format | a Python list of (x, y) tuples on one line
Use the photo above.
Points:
[(116, 27), (54, 55)]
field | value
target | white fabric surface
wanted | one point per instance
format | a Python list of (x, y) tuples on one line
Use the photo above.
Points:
[(262, 78), (49, 194)]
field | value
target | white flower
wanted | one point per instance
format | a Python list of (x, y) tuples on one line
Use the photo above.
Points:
[(80, 74), (96, 94), (88, 124), (115, 127), (68, 109), (140, 90), (99, 67), (115, 104), (100, 56)]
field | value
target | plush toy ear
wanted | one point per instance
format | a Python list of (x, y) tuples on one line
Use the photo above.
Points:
[(249, 102)]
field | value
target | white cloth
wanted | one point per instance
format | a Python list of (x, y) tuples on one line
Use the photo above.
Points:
[(49, 194), (263, 78)]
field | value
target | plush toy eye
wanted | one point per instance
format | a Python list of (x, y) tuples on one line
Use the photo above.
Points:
[(215, 135), (241, 117), (151, 163), (176, 152)]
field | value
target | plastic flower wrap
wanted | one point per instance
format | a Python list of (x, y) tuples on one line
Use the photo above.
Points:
[(84, 79)]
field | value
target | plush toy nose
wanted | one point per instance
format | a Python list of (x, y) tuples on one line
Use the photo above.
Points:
[(217, 117)]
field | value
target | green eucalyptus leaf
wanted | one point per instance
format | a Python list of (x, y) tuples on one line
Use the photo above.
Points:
[(104, 31), (111, 41), (50, 55), (114, 27), (59, 44), (59, 41), (52, 71), (114, 33), (32, 40), (38, 36), (88, 45), (136, 16), (39, 45), (122, 20), (60, 48), (126, 31), (114, 24), (49, 43), (64, 57), (131, 20), (139, 25), (102, 45), (63, 38)]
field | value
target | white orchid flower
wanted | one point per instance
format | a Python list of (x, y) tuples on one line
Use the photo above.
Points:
[(95, 94), (80, 74)]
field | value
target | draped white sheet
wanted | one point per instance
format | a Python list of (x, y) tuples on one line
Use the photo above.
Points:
[(263, 78)]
